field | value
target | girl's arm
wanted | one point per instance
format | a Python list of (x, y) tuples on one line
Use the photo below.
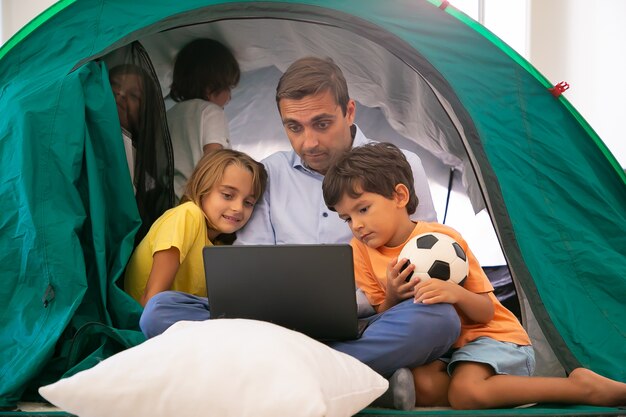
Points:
[(477, 307), (165, 264)]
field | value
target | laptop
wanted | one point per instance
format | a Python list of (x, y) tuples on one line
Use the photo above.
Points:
[(307, 288)]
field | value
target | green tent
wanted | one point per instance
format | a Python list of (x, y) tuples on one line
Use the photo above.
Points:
[(444, 84)]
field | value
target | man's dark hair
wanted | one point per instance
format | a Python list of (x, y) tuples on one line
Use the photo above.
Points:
[(203, 66), (373, 168), (311, 75)]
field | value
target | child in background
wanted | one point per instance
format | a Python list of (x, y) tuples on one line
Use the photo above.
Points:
[(205, 71), (371, 188), (218, 201), (127, 83), (141, 112)]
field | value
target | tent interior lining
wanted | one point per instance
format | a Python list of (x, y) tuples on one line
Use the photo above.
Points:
[(395, 103), (405, 108)]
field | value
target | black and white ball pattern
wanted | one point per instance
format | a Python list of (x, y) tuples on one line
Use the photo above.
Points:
[(436, 255)]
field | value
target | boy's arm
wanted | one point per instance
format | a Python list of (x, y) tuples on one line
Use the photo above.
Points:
[(364, 276), (165, 264), (477, 307)]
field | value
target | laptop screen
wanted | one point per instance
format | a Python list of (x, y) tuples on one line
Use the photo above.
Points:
[(307, 288)]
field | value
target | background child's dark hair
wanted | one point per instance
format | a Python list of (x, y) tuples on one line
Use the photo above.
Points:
[(373, 168), (202, 67)]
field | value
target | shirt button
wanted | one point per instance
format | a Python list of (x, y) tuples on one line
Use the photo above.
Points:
[(325, 214)]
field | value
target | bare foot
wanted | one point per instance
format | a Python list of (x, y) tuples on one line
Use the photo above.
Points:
[(599, 390)]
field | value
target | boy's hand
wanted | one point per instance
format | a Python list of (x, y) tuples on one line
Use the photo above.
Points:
[(397, 287), (478, 307), (434, 291)]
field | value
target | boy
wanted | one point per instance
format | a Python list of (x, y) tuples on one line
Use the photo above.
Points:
[(371, 188)]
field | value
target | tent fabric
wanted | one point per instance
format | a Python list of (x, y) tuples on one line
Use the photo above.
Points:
[(153, 156), (68, 218), (67, 230)]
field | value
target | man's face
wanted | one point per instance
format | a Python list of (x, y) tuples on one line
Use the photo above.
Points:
[(317, 128)]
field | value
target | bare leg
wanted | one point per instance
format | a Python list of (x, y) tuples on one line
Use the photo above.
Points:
[(431, 384), (599, 390), (475, 386)]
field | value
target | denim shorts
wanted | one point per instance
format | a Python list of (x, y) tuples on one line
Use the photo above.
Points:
[(504, 357)]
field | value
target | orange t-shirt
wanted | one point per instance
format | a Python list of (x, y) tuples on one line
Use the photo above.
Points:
[(370, 271)]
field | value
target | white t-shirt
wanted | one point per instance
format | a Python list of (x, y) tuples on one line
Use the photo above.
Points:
[(194, 124)]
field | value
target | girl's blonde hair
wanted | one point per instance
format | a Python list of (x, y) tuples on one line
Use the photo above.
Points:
[(210, 171)]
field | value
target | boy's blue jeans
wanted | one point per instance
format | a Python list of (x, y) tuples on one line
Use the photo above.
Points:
[(405, 336)]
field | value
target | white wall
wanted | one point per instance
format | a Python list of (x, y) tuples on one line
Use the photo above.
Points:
[(14, 14), (582, 42)]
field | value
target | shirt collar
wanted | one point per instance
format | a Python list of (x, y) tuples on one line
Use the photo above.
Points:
[(359, 137)]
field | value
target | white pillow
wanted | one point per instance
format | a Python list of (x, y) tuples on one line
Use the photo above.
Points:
[(225, 367)]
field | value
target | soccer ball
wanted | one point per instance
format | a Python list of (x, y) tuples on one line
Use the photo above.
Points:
[(435, 255)]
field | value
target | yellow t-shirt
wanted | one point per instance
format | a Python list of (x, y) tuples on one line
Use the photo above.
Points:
[(183, 227), (370, 272)]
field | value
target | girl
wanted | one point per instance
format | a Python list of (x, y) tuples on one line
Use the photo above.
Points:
[(218, 201), (147, 143), (204, 73), (127, 83)]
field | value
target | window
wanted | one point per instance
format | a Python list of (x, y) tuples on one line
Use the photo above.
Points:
[(507, 19)]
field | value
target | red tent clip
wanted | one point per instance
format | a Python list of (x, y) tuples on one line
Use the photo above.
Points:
[(558, 89), (444, 4)]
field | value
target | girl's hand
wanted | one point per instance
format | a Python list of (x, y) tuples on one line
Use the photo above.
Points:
[(397, 287), (434, 291)]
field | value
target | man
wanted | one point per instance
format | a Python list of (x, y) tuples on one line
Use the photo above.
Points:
[(318, 117)]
